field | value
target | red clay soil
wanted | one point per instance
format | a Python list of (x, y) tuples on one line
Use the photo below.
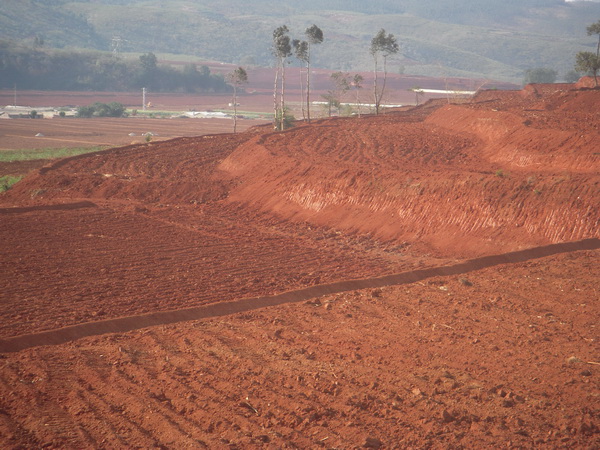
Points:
[(499, 351)]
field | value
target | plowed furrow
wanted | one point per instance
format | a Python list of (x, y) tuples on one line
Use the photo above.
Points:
[(32, 383), (143, 415), (162, 410)]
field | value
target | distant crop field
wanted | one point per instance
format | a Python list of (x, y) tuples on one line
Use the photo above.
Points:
[(59, 133)]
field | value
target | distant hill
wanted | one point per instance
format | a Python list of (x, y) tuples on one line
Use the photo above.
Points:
[(472, 38)]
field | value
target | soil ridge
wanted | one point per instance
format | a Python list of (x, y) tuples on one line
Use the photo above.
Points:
[(130, 323)]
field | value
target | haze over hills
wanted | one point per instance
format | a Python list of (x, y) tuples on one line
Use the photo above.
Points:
[(489, 39)]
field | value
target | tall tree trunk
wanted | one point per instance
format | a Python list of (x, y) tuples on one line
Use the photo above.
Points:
[(302, 96), (234, 108), (275, 102), (384, 78), (308, 84), (282, 94), (375, 93), (597, 57)]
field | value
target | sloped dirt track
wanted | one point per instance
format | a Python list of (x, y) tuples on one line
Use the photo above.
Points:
[(505, 355)]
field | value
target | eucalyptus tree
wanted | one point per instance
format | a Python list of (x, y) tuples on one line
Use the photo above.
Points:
[(314, 36), (419, 92), (356, 83), (382, 45), (282, 49), (588, 62), (595, 29), (236, 78), (301, 52), (341, 85)]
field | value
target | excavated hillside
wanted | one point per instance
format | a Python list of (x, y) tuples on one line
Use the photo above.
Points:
[(508, 170), (426, 278)]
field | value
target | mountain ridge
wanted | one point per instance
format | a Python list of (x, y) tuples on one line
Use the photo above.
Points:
[(468, 38)]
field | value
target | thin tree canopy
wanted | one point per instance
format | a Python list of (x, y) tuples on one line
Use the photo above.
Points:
[(314, 34), (384, 44)]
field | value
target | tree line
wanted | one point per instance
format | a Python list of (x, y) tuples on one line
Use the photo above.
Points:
[(46, 69), (586, 62), (383, 45), (589, 62)]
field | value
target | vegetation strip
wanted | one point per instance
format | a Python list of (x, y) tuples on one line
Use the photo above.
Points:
[(124, 324), (47, 153)]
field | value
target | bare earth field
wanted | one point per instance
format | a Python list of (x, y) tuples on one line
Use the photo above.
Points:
[(21, 133), (426, 278)]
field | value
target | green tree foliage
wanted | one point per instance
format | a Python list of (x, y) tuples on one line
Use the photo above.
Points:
[(356, 84), (112, 109), (236, 78), (281, 50), (341, 85), (149, 62), (301, 53), (382, 46), (595, 29), (98, 109), (314, 36), (438, 34), (540, 75), (588, 62), (53, 69), (149, 70)]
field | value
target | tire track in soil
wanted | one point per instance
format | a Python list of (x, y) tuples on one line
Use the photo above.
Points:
[(124, 324)]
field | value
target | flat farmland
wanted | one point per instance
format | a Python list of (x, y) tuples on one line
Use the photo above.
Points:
[(76, 132)]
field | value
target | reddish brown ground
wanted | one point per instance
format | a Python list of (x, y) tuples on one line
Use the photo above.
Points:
[(494, 353), (57, 133)]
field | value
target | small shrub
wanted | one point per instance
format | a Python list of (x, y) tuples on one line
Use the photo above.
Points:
[(112, 109), (500, 173), (7, 181), (85, 111), (287, 122)]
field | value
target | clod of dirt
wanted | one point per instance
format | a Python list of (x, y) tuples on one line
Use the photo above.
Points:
[(371, 442), (447, 416)]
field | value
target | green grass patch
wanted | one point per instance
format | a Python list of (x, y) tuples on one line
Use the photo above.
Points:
[(7, 181), (27, 154)]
